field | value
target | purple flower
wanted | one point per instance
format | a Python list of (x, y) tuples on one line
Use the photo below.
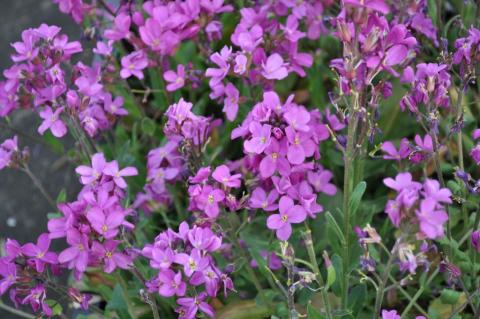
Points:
[(111, 169), (171, 284), (121, 28), (390, 314), (77, 254), (320, 180), (112, 259), (431, 189), (298, 118), (260, 138), (475, 240), (26, 50), (52, 121), (191, 263), (221, 60), (376, 5), (88, 174), (260, 199), (222, 175), (289, 214), (191, 305), (392, 153), (176, 79), (275, 159), (8, 271), (133, 64), (115, 106), (209, 199), (300, 146), (40, 253), (431, 219), (274, 68), (232, 96), (105, 224), (240, 64)]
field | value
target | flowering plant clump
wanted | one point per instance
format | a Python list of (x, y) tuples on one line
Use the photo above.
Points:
[(251, 159)]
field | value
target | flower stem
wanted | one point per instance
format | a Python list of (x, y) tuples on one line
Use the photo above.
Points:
[(15, 311), (39, 185), (124, 287), (316, 270), (383, 283)]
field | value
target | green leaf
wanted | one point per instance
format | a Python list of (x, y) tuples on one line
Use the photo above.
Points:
[(148, 126), (312, 313), (450, 296), (333, 224), (331, 276), (62, 196), (356, 197)]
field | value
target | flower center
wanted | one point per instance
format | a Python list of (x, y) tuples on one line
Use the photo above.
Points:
[(80, 247), (104, 228), (40, 254), (274, 156), (108, 254), (211, 199), (192, 264), (284, 218), (263, 139), (296, 141)]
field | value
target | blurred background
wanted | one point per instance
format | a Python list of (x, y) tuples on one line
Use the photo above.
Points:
[(23, 209)]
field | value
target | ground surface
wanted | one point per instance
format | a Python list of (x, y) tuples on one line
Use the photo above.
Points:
[(22, 208)]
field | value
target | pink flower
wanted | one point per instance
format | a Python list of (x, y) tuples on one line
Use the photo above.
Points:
[(115, 106), (193, 262), (40, 253), (9, 273), (111, 258), (275, 159), (77, 255), (376, 5), (390, 314), (171, 283), (105, 224), (231, 101), (431, 189), (92, 174), (222, 175), (321, 182), (121, 28), (209, 199), (176, 80), (52, 121), (240, 64), (274, 68), (260, 138), (133, 64), (431, 219), (298, 118), (259, 199), (289, 214), (392, 153), (221, 60), (111, 169)]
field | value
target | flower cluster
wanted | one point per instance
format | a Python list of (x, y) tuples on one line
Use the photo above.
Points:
[(467, 52), (210, 193), (10, 155), (187, 269), (281, 143), (418, 204), (267, 49), (371, 44), (38, 80), (187, 134), (93, 223), (415, 153)]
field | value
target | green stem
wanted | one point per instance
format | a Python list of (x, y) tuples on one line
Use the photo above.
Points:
[(316, 270), (383, 282), (39, 185), (347, 189), (124, 287), (16, 311), (234, 222)]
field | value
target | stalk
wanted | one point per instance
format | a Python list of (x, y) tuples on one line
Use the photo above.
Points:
[(39, 185), (316, 269), (383, 283), (349, 175)]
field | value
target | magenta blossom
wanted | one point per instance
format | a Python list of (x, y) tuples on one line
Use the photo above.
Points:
[(289, 214), (133, 64), (274, 68), (431, 219), (260, 199), (89, 175), (176, 80), (105, 224), (171, 284), (76, 256), (376, 5), (260, 138), (232, 96), (111, 169), (222, 175), (112, 259), (40, 253), (52, 121), (391, 153)]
